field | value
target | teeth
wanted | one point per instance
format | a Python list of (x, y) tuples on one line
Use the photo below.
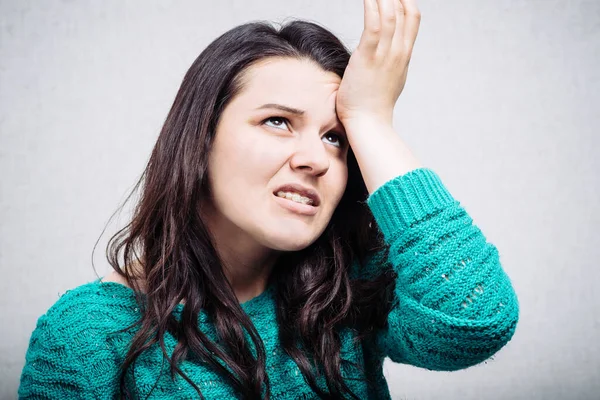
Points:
[(295, 197)]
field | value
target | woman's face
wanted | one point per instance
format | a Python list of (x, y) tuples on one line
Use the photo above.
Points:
[(281, 129)]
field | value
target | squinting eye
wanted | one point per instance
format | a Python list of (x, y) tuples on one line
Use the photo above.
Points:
[(278, 122)]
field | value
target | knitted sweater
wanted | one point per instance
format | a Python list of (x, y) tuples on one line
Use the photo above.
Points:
[(454, 307)]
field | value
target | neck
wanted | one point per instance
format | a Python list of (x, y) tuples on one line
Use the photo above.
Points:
[(247, 264), (248, 276)]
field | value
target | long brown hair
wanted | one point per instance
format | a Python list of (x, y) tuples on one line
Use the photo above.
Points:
[(178, 262)]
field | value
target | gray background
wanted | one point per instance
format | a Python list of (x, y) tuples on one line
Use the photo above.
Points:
[(501, 101)]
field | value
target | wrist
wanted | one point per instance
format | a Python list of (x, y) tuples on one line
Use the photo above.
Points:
[(367, 122), (364, 119)]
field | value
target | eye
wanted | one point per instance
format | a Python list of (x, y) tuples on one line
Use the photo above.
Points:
[(335, 136), (277, 122)]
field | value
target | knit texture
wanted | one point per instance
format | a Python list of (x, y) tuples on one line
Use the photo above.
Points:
[(454, 307)]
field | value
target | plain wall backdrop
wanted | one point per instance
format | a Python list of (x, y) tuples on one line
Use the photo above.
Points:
[(502, 101)]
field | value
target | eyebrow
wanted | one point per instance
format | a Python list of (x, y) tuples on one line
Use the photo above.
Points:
[(282, 108), (295, 111)]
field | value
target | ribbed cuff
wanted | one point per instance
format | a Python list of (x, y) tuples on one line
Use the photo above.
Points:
[(407, 198)]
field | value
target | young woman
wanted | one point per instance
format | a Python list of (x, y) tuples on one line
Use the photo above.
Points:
[(286, 240)]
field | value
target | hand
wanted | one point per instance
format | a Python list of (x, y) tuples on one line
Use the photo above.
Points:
[(376, 73)]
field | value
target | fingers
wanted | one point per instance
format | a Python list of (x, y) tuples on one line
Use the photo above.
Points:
[(370, 36), (399, 32), (412, 20), (387, 18), (390, 27)]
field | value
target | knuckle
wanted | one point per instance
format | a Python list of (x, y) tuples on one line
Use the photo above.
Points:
[(374, 30)]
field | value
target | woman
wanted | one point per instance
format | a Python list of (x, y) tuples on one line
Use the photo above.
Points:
[(286, 240)]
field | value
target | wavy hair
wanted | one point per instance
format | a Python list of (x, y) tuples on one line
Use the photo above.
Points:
[(177, 260)]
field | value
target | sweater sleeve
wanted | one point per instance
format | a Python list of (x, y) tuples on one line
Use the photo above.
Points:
[(454, 306), (50, 371)]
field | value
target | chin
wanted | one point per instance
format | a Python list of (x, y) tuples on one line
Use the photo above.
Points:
[(292, 242)]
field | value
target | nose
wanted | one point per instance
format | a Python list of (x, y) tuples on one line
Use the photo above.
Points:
[(311, 155)]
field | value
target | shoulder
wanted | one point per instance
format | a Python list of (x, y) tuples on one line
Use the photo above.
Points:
[(94, 295), (89, 319), (89, 312), (77, 339), (113, 276)]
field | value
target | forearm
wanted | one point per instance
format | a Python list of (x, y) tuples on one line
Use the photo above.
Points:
[(456, 306), (381, 153)]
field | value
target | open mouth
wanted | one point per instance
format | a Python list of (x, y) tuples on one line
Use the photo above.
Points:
[(296, 207), (296, 197), (298, 193)]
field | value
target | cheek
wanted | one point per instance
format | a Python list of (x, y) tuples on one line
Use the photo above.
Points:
[(230, 153), (337, 187), (244, 161), (342, 180), (259, 153), (265, 156)]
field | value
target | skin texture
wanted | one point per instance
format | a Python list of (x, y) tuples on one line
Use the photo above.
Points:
[(250, 160), (373, 81), (252, 157)]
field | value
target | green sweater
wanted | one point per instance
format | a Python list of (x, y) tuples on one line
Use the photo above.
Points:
[(455, 308)]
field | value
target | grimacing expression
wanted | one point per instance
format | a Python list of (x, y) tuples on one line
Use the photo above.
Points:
[(280, 129)]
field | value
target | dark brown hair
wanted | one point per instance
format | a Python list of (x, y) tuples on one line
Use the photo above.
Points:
[(178, 262)]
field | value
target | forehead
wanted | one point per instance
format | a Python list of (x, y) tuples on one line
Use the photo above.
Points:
[(299, 83)]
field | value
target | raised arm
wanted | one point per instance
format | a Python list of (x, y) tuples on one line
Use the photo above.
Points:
[(454, 305)]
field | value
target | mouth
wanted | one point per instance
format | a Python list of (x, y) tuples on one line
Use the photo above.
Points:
[(299, 194), (296, 207)]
